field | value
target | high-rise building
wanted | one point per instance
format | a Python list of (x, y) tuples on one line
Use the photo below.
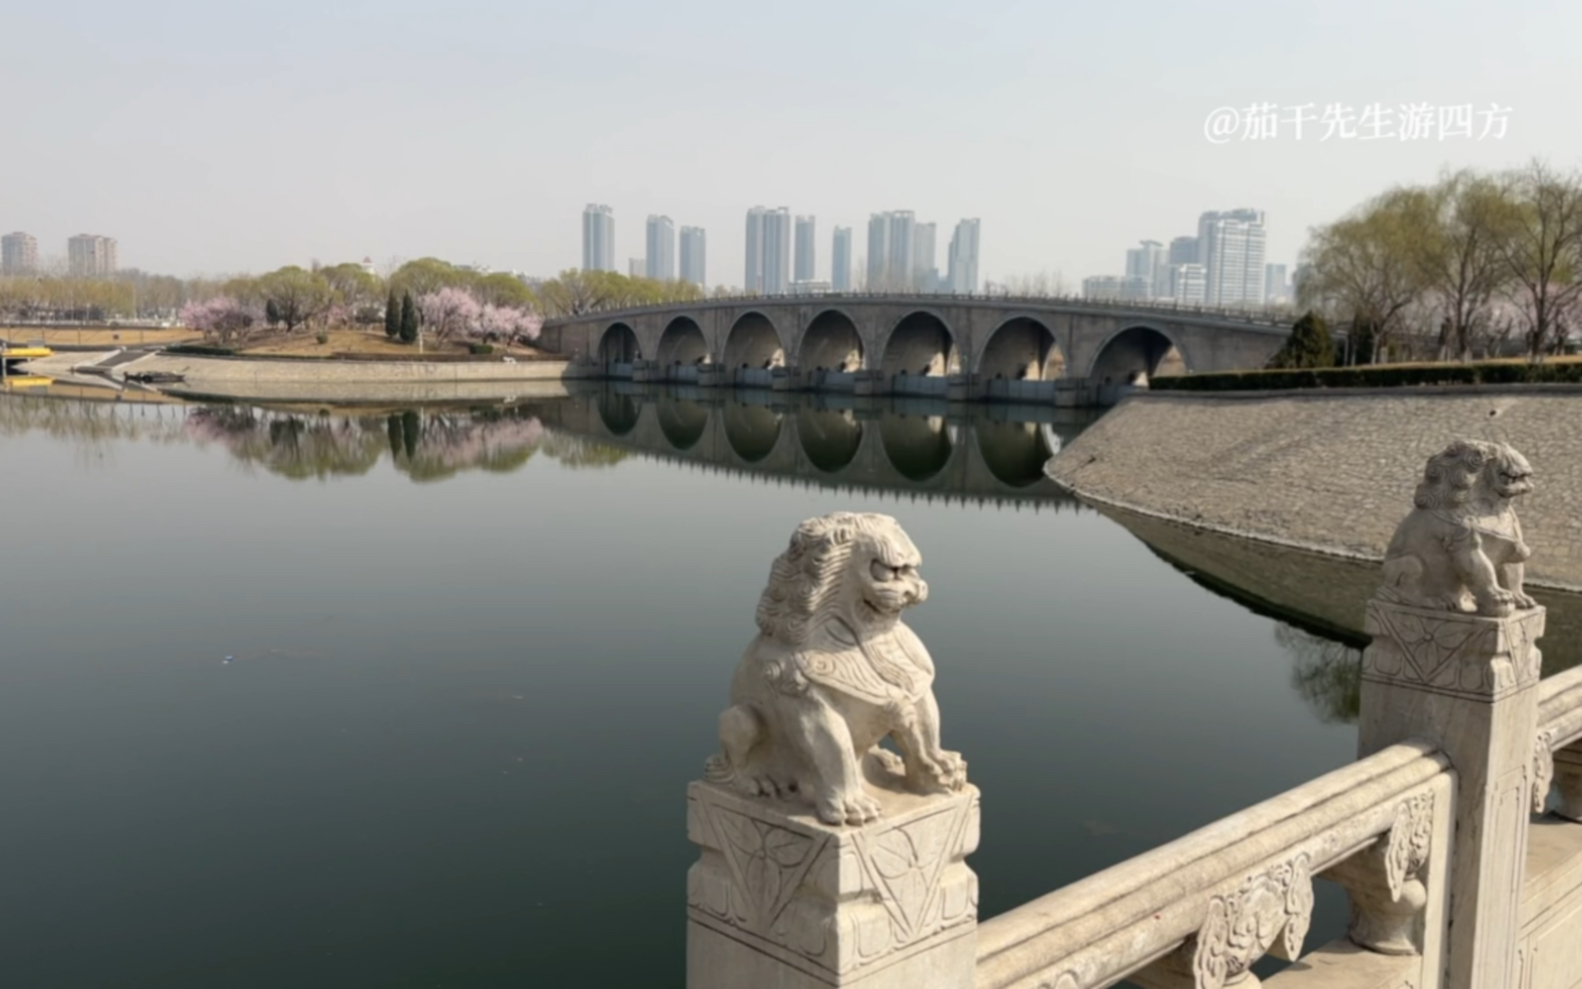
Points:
[(1275, 288), (636, 268), (18, 254), (878, 250), (777, 251), (1183, 250), (753, 277), (661, 248), (963, 263), (925, 271), (840, 261), (693, 253), (598, 238), (1230, 248), (803, 269), (91, 256), (1188, 283), (899, 265), (1148, 262)]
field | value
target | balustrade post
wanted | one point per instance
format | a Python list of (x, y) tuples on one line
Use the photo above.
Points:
[(825, 860), (1453, 660)]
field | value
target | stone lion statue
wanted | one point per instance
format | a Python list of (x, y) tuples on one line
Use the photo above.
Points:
[(1461, 548), (834, 671)]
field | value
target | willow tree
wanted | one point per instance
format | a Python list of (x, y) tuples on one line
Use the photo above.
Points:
[(1459, 230), (1542, 250), (1362, 267)]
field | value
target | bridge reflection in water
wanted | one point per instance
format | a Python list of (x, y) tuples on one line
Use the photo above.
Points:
[(914, 445)]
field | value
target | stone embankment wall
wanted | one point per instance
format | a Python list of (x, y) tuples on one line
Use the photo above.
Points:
[(262, 379), (1329, 471)]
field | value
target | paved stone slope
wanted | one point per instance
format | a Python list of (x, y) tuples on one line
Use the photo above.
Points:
[(1331, 471)]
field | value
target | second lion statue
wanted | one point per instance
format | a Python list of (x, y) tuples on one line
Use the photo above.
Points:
[(833, 672)]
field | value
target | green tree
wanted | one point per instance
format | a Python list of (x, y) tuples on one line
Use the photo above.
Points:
[(426, 275), (1309, 345), (408, 319), (298, 296), (1457, 230), (501, 289), (392, 316), (1362, 267), (271, 313)]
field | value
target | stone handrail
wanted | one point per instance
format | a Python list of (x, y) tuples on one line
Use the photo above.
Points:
[(1452, 884), (1110, 925), (1560, 709), (1254, 317)]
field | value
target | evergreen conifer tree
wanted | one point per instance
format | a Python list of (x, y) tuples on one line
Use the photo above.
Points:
[(392, 316), (271, 312), (1309, 345), (408, 319)]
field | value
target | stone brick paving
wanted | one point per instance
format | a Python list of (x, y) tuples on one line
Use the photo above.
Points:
[(1331, 471)]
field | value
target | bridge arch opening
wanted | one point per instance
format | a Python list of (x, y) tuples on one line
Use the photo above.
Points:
[(618, 348), (753, 344), (683, 422), (1014, 452), (682, 343), (830, 437), (618, 412), (752, 431), (1022, 349), (831, 343), (921, 345), (1133, 352), (919, 447)]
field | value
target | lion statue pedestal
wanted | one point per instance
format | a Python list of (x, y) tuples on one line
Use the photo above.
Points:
[(828, 860), (1454, 663)]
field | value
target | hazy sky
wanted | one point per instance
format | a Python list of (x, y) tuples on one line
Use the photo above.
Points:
[(216, 137)]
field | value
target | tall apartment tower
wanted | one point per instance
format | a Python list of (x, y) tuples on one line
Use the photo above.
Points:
[(598, 238), (963, 262), (1149, 262), (753, 277), (878, 250), (18, 254), (91, 256), (899, 269), (693, 253), (777, 251), (661, 248), (1231, 250), (925, 271), (802, 271), (1275, 288), (840, 261)]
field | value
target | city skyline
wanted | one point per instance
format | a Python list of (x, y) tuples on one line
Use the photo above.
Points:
[(975, 144)]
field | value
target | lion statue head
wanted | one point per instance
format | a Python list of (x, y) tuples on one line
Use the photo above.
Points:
[(1491, 473), (856, 568)]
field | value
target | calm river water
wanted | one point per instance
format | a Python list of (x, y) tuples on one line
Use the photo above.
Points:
[(411, 698)]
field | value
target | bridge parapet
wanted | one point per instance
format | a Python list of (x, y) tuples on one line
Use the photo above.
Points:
[(1430, 833)]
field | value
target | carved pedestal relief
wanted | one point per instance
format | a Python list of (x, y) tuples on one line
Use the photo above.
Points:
[(832, 899)]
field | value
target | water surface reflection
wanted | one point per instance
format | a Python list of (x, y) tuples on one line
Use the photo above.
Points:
[(471, 680)]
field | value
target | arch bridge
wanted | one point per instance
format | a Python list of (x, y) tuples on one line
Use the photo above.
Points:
[(1059, 351)]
